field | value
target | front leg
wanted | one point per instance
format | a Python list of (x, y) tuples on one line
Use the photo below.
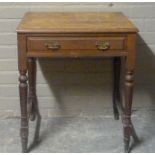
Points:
[(22, 67), (23, 105), (128, 90), (129, 76)]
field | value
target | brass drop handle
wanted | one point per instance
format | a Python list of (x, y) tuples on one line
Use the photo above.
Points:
[(52, 46), (102, 45)]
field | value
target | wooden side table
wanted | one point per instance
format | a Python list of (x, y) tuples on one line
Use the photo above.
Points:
[(75, 35)]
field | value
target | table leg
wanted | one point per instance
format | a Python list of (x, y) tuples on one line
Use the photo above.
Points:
[(32, 99), (129, 75), (128, 90), (23, 105), (116, 86)]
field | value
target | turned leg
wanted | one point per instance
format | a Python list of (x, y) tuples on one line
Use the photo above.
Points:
[(128, 90), (32, 99), (116, 86), (23, 105), (129, 76)]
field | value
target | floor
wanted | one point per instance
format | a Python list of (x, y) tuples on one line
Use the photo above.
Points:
[(81, 134)]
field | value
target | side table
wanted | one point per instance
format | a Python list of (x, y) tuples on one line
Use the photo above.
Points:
[(75, 35)]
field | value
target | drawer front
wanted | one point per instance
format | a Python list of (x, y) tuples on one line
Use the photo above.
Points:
[(80, 44)]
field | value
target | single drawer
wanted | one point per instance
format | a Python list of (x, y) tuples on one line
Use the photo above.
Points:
[(80, 44)]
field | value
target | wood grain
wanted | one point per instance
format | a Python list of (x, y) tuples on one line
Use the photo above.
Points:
[(75, 22), (74, 43)]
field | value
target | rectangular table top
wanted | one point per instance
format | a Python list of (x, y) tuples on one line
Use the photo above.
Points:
[(71, 22)]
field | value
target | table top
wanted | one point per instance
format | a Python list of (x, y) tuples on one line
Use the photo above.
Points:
[(71, 22)]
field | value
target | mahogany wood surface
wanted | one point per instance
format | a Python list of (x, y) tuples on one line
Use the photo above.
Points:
[(76, 35), (74, 43), (75, 22)]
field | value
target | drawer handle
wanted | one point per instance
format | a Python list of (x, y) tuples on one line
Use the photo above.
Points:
[(102, 45), (52, 46)]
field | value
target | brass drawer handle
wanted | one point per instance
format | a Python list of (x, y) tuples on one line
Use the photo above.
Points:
[(53, 46), (102, 45)]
